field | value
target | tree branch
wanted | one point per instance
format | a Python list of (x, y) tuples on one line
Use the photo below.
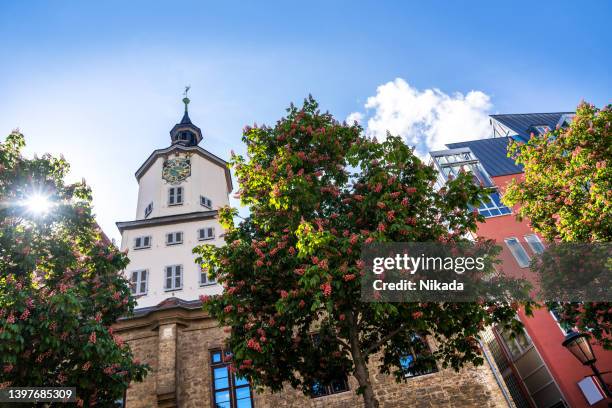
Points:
[(385, 339)]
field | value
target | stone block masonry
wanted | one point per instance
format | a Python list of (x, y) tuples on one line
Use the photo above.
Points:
[(176, 341)]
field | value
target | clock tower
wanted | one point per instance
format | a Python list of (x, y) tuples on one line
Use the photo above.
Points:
[(180, 189)]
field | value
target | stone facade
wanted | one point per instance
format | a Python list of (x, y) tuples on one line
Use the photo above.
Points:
[(175, 339)]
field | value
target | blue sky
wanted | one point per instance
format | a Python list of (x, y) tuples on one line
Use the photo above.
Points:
[(101, 82)]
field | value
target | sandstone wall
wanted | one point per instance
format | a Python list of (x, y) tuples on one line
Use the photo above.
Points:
[(176, 343)]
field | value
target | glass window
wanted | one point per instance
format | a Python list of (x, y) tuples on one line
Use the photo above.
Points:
[(205, 279), (230, 391), (174, 238), (205, 202), (175, 195), (556, 314), (517, 250), (534, 243), (518, 344), (419, 353), (335, 386), (542, 129), (138, 282), (451, 163), (142, 242), (148, 210), (206, 233), (173, 278), (493, 206)]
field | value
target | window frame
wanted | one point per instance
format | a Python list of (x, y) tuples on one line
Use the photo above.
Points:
[(143, 246), (415, 355), (139, 282), (206, 236), (541, 129), (204, 272), (522, 349), (231, 380), (553, 313), (485, 206), (173, 278), (148, 209), (328, 387), (206, 202), (531, 245), (174, 240), (174, 193), (329, 390), (515, 253)]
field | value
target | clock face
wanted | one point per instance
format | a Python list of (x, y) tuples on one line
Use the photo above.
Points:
[(176, 170)]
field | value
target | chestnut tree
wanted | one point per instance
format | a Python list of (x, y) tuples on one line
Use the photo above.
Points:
[(317, 191), (566, 194), (61, 288)]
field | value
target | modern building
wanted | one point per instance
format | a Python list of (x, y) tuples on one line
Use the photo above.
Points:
[(537, 369), (181, 187)]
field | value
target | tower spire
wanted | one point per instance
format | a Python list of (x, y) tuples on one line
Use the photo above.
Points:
[(186, 101), (186, 133)]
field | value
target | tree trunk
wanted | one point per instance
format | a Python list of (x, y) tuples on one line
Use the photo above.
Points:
[(361, 369)]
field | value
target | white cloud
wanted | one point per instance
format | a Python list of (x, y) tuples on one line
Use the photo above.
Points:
[(354, 117), (426, 119)]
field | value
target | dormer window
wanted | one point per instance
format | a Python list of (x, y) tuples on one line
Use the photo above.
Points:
[(175, 196), (206, 202), (542, 129), (149, 209), (454, 161)]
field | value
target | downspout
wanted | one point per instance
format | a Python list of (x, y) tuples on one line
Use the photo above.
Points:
[(500, 382)]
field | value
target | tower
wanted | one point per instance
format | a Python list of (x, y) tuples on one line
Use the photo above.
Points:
[(180, 189)]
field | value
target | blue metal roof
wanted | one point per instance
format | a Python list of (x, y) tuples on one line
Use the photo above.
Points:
[(492, 154), (523, 123)]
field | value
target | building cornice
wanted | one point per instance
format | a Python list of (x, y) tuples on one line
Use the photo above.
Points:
[(187, 149), (167, 219), (170, 311)]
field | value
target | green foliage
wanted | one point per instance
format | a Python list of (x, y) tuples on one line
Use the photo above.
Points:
[(566, 194), (60, 286), (317, 191)]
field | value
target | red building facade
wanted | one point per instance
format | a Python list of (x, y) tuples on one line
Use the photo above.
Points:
[(537, 369)]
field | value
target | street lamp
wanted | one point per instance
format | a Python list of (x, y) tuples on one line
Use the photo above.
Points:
[(578, 344)]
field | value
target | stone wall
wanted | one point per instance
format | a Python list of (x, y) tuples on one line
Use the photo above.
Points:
[(175, 342)]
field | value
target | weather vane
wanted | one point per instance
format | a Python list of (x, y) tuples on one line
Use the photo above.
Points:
[(186, 99)]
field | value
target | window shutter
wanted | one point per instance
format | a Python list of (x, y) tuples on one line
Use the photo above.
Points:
[(143, 281), (168, 277), (177, 277)]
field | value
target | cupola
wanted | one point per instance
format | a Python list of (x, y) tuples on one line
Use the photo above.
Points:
[(186, 133)]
